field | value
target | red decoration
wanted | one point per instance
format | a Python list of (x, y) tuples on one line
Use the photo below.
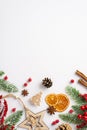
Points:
[(84, 96), (81, 126), (25, 84), (6, 78), (86, 106), (82, 107), (72, 81), (12, 128), (0, 96), (4, 127), (85, 118), (4, 109), (78, 126), (85, 113), (55, 122), (71, 111), (80, 116), (13, 109), (29, 80)]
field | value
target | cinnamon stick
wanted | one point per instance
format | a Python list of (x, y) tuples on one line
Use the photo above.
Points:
[(81, 75), (83, 82)]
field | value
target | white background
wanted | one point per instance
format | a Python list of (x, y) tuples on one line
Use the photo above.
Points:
[(43, 38)]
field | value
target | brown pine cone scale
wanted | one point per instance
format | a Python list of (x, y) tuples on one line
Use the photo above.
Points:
[(47, 82), (64, 127)]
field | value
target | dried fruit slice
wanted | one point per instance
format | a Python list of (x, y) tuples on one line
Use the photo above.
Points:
[(51, 99), (62, 102)]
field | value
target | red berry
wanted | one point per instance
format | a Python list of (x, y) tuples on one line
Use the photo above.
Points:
[(13, 109), (6, 126), (79, 116), (71, 111), (86, 106), (80, 95), (85, 118), (57, 121), (85, 95), (85, 113), (29, 80), (85, 98), (82, 107), (78, 126), (12, 128), (25, 84), (72, 81), (53, 123), (5, 78), (83, 124), (0, 96)]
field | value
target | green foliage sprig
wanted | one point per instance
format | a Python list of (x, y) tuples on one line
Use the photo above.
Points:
[(70, 118), (2, 73), (7, 86), (74, 94), (14, 118)]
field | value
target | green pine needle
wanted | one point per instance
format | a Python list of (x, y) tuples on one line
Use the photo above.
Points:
[(14, 118), (74, 94), (77, 109), (1, 73), (6, 86), (84, 128), (10, 127), (70, 118)]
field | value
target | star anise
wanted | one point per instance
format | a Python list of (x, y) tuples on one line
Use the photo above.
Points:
[(51, 110), (24, 92)]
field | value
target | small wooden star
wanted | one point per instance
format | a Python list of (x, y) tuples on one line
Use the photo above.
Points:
[(24, 92), (34, 121)]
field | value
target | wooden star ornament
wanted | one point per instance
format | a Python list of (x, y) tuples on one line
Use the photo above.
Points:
[(34, 121)]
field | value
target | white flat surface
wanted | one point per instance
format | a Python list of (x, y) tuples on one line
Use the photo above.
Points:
[(43, 38)]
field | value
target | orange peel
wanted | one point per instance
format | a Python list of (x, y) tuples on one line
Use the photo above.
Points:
[(63, 102), (51, 99), (59, 101)]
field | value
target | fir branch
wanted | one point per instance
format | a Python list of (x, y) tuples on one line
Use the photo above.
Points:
[(10, 127), (77, 109), (84, 128), (14, 118), (6, 86), (74, 94), (70, 118), (1, 73)]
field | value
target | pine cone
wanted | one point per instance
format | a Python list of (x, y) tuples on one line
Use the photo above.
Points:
[(47, 82), (64, 127)]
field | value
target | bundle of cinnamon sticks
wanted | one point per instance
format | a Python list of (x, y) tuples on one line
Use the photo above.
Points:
[(83, 79)]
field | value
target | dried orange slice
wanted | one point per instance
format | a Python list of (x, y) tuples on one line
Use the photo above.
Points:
[(51, 99), (63, 102)]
